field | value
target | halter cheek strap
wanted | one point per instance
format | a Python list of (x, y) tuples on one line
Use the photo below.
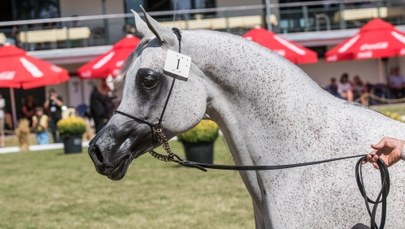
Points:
[(156, 127)]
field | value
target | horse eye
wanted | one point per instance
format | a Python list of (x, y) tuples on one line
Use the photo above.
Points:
[(149, 82)]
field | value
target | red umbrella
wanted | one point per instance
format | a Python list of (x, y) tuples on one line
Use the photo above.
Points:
[(294, 52), (376, 39), (19, 70), (110, 62)]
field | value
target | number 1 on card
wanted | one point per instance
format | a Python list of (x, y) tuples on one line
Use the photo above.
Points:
[(177, 65)]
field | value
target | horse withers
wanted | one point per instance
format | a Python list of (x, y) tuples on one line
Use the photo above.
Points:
[(269, 111)]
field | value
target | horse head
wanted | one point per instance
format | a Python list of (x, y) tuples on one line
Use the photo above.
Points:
[(150, 98)]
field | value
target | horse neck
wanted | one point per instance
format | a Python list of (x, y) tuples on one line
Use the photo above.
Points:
[(251, 90), (245, 68)]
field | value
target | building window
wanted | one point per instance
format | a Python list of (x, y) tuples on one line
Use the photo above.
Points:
[(134, 5), (163, 5), (12, 10), (36, 9)]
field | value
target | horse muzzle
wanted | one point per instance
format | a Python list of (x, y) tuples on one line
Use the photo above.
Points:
[(114, 147), (113, 172)]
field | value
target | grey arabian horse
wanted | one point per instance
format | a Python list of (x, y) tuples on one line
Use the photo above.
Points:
[(270, 113)]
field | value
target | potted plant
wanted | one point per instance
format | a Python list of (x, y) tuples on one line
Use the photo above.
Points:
[(71, 130), (199, 142)]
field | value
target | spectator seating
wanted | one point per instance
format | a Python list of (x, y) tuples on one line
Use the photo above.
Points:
[(220, 23), (367, 13), (54, 35)]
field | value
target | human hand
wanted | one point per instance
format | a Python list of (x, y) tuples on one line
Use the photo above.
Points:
[(389, 150)]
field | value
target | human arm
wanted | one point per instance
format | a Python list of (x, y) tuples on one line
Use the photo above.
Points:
[(27, 112), (390, 150), (34, 122), (46, 104), (44, 122), (57, 99)]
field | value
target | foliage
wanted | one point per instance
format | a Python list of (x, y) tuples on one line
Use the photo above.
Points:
[(72, 125), (393, 115), (205, 131)]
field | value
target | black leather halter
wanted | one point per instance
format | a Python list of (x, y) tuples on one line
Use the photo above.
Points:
[(156, 126)]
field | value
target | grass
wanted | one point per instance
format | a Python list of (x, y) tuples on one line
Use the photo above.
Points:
[(53, 190), (395, 108)]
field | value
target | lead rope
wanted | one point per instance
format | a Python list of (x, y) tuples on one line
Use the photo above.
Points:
[(381, 198), (172, 157)]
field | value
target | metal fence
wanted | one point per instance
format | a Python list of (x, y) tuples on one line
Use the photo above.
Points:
[(80, 31)]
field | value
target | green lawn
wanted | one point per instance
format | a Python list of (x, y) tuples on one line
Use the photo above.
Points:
[(53, 190), (396, 108)]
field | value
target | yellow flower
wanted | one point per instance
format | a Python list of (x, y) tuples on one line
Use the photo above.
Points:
[(72, 125), (205, 131), (393, 115)]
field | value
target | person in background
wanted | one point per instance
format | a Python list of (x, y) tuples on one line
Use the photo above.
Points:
[(345, 88), (54, 107), (396, 83), (360, 90), (28, 108), (358, 87), (40, 126), (2, 106), (332, 87), (100, 106)]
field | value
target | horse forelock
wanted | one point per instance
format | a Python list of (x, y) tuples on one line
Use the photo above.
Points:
[(146, 42)]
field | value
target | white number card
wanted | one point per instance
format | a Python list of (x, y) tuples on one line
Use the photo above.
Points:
[(177, 65)]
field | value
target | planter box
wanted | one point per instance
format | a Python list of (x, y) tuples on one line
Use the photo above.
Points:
[(202, 152), (72, 143)]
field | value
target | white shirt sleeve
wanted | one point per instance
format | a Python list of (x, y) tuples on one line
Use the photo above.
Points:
[(2, 103)]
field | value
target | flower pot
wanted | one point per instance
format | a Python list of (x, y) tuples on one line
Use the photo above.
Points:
[(72, 143), (202, 152)]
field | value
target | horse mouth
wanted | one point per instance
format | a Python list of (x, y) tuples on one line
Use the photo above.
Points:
[(113, 172), (118, 172), (112, 151)]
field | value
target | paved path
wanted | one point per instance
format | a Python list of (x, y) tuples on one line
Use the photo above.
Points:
[(16, 149)]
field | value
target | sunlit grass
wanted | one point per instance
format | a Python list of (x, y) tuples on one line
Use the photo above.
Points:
[(395, 108), (54, 190)]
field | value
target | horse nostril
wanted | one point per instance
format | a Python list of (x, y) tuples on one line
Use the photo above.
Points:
[(98, 154)]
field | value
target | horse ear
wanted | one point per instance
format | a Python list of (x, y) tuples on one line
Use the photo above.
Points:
[(161, 32), (141, 29)]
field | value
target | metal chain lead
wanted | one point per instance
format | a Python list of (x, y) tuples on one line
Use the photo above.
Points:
[(158, 132), (170, 157)]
